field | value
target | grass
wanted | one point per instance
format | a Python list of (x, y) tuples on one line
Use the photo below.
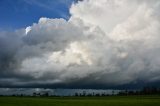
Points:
[(81, 101)]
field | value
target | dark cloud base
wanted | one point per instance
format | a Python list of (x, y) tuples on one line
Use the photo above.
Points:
[(131, 86)]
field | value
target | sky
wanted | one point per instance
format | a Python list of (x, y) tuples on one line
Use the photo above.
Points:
[(22, 13), (105, 44)]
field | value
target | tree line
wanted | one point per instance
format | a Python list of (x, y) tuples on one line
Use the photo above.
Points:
[(144, 91)]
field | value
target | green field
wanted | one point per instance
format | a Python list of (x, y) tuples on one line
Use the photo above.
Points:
[(81, 101)]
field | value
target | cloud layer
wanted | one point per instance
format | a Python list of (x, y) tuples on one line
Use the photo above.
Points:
[(107, 42)]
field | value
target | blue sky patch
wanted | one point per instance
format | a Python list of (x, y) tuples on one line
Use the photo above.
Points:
[(21, 13)]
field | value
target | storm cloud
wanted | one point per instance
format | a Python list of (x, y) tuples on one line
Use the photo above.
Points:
[(106, 42)]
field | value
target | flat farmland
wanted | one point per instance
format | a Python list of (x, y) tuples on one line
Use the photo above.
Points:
[(81, 101)]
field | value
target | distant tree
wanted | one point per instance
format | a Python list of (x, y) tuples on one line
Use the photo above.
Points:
[(126, 92), (76, 94), (97, 94), (89, 94), (149, 90), (84, 93), (131, 93), (80, 94), (46, 94), (103, 94), (113, 92), (21, 95), (93, 94), (13, 95), (34, 94)]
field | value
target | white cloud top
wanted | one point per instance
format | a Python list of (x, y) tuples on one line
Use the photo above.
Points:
[(110, 42)]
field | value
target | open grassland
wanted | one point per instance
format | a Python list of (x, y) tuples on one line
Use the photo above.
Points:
[(81, 101)]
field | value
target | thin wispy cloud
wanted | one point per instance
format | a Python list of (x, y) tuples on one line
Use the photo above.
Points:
[(51, 4)]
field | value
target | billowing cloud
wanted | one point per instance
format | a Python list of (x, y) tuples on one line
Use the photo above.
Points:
[(106, 42)]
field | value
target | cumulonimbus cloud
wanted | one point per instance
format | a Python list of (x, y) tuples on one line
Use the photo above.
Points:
[(110, 42)]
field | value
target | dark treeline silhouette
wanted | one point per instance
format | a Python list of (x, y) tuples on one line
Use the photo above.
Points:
[(44, 94), (144, 91), (90, 94)]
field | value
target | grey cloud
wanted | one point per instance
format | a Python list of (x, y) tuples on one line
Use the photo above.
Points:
[(93, 48)]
